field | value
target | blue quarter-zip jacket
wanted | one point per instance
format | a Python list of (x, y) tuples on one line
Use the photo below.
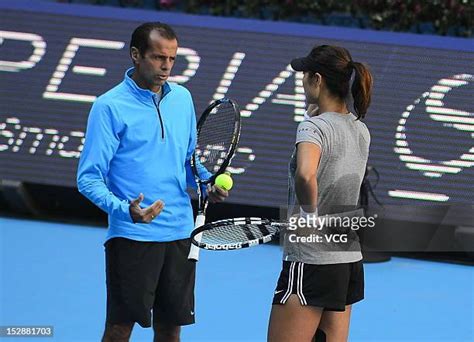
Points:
[(135, 143)]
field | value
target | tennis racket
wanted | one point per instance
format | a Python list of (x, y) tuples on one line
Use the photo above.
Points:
[(236, 233), (218, 133)]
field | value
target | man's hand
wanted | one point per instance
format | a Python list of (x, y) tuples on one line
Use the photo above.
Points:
[(145, 215), (216, 194)]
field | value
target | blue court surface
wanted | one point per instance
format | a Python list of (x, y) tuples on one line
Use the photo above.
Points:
[(53, 274)]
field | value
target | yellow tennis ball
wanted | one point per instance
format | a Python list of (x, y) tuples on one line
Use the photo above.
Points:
[(224, 181)]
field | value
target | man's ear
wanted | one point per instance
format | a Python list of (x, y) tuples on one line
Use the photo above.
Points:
[(134, 53)]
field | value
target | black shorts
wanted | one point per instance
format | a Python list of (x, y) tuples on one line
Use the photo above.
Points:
[(331, 287), (146, 276)]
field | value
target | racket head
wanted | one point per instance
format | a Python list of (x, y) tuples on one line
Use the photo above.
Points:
[(236, 233), (218, 134)]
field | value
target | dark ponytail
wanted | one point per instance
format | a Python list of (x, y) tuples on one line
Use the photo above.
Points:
[(361, 89), (335, 64)]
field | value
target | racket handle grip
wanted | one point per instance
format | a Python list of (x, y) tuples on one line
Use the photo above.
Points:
[(194, 250)]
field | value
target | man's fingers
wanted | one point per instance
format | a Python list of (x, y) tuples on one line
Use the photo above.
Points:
[(217, 194), (154, 210), (136, 202), (158, 204), (147, 214), (220, 191), (158, 207)]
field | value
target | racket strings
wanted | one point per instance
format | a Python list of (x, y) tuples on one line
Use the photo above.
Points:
[(215, 137), (237, 233)]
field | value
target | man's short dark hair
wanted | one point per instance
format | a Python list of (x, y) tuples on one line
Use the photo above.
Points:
[(141, 35)]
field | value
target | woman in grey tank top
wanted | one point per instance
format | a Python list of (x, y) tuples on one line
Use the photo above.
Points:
[(322, 273)]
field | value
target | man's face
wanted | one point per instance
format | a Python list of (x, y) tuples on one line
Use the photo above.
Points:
[(154, 67)]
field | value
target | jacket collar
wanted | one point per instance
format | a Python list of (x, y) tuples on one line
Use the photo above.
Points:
[(143, 94)]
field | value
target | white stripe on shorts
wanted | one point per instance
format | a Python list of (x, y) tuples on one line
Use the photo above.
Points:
[(299, 285), (290, 283)]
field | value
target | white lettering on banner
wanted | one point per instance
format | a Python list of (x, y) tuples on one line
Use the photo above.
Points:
[(228, 76), (457, 119), (193, 64), (424, 196), (243, 157), (13, 135), (52, 93), (297, 100), (39, 49), (453, 118)]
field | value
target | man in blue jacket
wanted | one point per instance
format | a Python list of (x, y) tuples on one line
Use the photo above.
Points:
[(135, 166)]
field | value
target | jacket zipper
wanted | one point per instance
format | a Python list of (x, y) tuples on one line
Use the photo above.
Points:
[(157, 106)]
